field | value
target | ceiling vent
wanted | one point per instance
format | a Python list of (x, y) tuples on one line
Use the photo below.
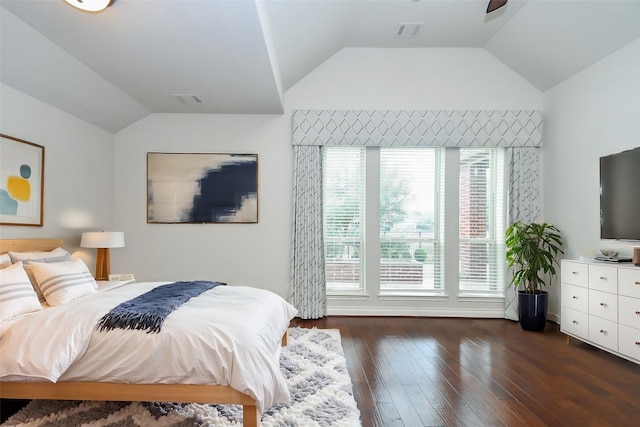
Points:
[(409, 30), (187, 98)]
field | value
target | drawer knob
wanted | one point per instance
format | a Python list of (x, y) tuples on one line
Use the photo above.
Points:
[(602, 331), (575, 322), (637, 283), (638, 312), (575, 272), (637, 342), (603, 278), (574, 297), (602, 304)]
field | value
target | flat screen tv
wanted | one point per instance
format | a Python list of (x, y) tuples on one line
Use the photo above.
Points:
[(620, 195)]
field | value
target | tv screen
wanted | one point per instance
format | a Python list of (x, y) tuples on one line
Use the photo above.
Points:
[(620, 195)]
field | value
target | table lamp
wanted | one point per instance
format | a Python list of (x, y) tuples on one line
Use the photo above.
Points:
[(103, 241)]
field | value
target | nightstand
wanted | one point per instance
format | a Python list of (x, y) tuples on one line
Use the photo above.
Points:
[(104, 285)]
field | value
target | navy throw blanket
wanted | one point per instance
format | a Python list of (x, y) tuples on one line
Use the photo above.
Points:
[(148, 311)]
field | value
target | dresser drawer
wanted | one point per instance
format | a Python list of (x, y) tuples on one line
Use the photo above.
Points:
[(603, 305), (629, 282), (575, 297), (574, 273), (629, 341), (629, 311), (603, 332), (603, 278), (575, 322)]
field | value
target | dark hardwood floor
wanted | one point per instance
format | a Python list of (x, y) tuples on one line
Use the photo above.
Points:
[(481, 372)]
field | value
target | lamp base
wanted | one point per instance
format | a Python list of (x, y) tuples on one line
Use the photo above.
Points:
[(102, 264)]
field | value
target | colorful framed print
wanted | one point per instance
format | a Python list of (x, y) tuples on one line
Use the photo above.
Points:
[(202, 188), (21, 182)]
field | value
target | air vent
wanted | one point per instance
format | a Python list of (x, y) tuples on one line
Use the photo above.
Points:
[(409, 30), (187, 98)]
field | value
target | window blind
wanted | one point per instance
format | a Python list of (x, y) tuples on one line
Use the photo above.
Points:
[(481, 254), (344, 195), (410, 231)]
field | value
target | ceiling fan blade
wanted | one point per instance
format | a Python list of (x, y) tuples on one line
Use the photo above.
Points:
[(495, 4)]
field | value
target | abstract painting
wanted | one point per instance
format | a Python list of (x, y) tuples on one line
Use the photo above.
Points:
[(202, 188), (21, 181)]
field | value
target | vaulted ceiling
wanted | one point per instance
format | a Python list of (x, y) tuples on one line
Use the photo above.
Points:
[(239, 56)]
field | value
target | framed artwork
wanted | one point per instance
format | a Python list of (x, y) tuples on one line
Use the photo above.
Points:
[(200, 188), (21, 181)]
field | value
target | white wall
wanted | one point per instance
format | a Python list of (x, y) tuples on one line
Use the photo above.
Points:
[(413, 79), (594, 113), (241, 254), (259, 254), (77, 165)]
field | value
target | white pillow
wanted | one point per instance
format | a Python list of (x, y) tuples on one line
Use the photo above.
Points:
[(65, 281), (16, 293), (27, 267), (23, 256)]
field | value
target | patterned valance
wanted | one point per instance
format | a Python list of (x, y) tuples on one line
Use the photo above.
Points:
[(418, 128)]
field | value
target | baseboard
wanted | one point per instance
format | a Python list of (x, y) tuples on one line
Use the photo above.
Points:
[(416, 312), (553, 317)]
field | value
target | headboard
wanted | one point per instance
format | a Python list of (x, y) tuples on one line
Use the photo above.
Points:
[(25, 245)]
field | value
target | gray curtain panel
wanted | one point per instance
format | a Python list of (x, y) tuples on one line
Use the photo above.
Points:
[(520, 131), (308, 283), (523, 203)]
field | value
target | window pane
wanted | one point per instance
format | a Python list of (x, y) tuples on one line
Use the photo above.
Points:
[(343, 188), (481, 220), (410, 234)]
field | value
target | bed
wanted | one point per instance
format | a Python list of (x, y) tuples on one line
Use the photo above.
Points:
[(78, 382)]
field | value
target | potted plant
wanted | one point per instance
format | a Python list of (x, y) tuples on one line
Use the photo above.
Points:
[(532, 249)]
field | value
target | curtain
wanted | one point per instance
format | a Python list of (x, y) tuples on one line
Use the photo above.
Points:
[(308, 283), (523, 203), (519, 131)]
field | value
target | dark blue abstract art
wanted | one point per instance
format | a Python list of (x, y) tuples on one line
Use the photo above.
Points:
[(202, 188)]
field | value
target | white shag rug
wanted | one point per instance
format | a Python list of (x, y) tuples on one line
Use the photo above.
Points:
[(313, 364)]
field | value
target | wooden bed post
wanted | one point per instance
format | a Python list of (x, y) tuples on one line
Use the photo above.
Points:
[(250, 416)]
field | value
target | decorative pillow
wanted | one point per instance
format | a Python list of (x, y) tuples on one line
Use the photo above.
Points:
[(27, 268), (23, 256), (16, 293), (65, 281), (5, 261)]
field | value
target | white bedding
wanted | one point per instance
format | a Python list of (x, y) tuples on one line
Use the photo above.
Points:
[(229, 335)]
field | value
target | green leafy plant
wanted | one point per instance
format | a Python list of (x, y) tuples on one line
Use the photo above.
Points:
[(531, 253)]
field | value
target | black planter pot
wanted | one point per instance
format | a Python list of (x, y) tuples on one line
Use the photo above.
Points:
[(532, 309)]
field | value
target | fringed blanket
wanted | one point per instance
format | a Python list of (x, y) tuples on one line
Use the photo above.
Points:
[(148, 311)]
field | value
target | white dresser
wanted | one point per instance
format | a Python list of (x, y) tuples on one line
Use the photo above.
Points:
[(601, 305)]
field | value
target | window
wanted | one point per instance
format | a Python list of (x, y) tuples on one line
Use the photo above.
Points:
[(481, 216), (401, 245), (410, 232), (343, 196)]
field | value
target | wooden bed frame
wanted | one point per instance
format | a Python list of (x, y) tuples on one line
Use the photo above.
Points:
[(184, 393)]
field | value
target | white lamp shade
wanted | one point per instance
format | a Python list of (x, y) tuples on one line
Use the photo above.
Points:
[(102, 239), (91, 5)]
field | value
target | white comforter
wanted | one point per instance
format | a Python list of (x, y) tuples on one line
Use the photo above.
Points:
[(229, 335)]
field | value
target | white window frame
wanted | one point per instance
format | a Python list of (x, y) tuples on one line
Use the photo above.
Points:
[(370, 247)]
